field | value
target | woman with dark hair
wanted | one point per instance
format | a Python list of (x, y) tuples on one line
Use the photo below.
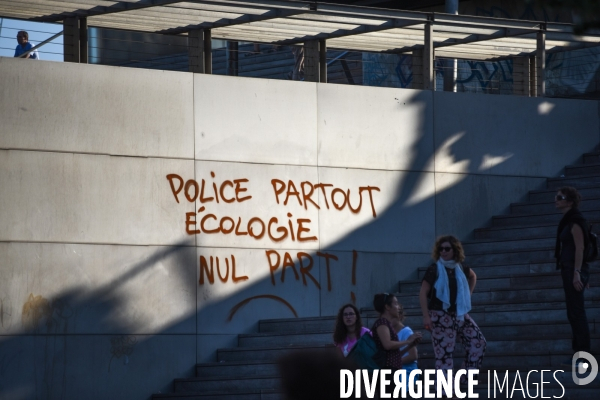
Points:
[(348, 328), (445, 299), (383, 332), (571, 239)]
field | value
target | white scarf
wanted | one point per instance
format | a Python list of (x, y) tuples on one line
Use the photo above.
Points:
[(442, 288)]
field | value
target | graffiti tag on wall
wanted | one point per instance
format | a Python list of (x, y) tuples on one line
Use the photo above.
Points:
[(283, 227)]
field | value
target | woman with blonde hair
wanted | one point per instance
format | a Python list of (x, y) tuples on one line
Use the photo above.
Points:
[(445, 300)]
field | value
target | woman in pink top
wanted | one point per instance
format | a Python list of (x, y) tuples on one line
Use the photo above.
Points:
[(348, 328)]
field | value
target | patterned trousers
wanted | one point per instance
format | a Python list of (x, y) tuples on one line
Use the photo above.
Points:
[(444, 330)]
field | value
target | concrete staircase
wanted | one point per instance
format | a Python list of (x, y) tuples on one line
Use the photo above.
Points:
[(518, 303)]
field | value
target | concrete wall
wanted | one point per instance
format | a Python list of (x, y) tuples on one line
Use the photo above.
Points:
[(103, 291)]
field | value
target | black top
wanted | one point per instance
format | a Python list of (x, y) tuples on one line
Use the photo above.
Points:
[(567, 247), (565, 243), (393, 357), (431, 277)]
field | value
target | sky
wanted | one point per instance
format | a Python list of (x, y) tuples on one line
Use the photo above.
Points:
[(38, 32)]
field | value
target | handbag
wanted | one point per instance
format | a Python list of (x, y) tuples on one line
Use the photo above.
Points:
[(380, 358), (366, 354)]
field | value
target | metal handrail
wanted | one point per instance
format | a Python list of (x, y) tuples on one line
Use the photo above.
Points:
[(337, 58)]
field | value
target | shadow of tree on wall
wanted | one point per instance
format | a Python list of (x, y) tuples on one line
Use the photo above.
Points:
[(59, 333)]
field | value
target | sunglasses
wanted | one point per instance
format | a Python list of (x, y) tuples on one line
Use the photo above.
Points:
[(444, 249), (559, 197)]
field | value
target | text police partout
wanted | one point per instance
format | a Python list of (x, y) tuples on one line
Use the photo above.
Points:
[(435, 383)]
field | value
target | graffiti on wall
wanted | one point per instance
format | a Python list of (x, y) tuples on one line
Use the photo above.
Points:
[(236, 191), (38, 312), (283, 227), (121, 346), (568, 73)]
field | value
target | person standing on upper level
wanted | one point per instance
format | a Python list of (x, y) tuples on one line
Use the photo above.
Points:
[(25, 45)]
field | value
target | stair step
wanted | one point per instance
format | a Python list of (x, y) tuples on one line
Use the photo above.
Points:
[(296, 325), (229, 384), (489, 246), (265, 394), (516, 257), (514, 296), (515, 233), (514, 282), (549, 348), (492, 331), (588, 203), (548, 195), (582, 169), (263, 353), (591, 158), (555, 311), (286, 339), (554, 345), (520, 360), (490, 271), (581, 181), (541, 218), (225, 369), (520, 232), (505, 313)]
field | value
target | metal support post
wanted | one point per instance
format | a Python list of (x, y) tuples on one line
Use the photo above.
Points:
[(540, 56), (232, 58), (71, 47), (521, 84), (417, 69), (532, 76), (450, 65), (196, 51), (207, 51), (322, 61), (428, 57), (83, 40), (311, 61)]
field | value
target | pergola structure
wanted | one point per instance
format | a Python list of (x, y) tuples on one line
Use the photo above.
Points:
[(317, 26)]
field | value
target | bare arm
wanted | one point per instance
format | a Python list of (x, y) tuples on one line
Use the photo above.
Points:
[(577, 233), (472, 279), (388, 344)]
